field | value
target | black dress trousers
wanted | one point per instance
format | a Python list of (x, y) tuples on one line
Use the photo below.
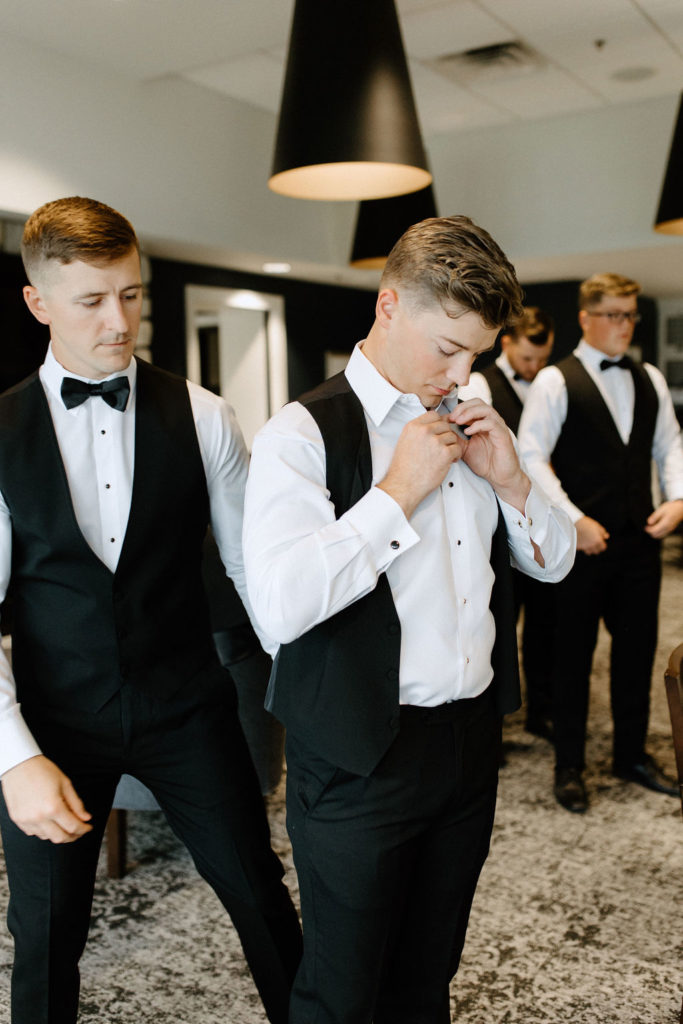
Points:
[(621, 587), (388, 865), (192, 754)]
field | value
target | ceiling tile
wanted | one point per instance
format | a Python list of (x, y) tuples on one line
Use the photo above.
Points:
[(540, 93), (443, 106), (668, 17), (148, 38), (450, 28)]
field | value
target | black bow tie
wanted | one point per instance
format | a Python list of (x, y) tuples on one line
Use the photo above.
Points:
[(114, 392), (517, 376), (625, 363)]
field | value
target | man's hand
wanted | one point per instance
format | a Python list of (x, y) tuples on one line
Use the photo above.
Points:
[(42, 802), (425, 451), (664, 519), (591, 536), (490, 452)]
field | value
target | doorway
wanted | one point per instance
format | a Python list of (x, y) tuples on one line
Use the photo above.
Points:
[(237, 347)]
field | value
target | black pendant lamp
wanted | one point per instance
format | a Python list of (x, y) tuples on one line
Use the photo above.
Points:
[(669, 220), (348, 127), (381, 222)]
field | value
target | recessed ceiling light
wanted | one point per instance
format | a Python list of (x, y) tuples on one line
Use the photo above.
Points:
[(247, 300), (273, 267), (633, 74)]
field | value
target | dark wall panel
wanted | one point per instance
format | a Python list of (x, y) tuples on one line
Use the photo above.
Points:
[(24, 340)]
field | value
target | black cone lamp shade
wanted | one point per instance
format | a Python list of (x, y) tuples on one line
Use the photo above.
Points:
[(348, 127), (381, 222), (669, 219)]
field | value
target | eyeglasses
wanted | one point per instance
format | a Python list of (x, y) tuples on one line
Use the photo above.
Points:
[(616, 317)]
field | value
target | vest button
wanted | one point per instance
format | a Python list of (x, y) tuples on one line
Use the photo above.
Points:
[(393, 628), (394, 722), (392, 674)]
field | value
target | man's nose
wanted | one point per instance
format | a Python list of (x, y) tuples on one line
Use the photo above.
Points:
[(117, 319), (458, 371)]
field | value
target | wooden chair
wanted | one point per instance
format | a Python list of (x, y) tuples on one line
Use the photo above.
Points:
[(674, 693)]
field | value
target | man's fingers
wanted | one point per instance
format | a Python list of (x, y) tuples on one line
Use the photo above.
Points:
[(53, 832), (69, 825), (74, 802)]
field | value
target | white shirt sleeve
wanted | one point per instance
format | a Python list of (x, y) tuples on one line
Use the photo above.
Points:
[(549, 529), (545, 411), (667, 444), (16, 742), (226, 461), (304, 565)]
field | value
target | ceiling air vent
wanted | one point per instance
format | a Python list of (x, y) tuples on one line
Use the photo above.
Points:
[(486, 63)]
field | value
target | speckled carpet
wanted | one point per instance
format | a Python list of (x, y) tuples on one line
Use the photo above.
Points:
[(577, 919)]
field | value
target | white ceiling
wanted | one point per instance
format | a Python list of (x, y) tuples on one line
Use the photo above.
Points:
[(590, 53), (585, 54)]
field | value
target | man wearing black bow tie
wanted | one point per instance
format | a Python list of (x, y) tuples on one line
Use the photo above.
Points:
[(110, 471), (590, 428)]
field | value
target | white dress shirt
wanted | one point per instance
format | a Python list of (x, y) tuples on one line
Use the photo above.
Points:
[(545, 411), (97, 448), (478, 386), (303, 565)]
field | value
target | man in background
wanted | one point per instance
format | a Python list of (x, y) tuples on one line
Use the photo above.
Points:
[(526, 348), (591, 426), (110, 471)]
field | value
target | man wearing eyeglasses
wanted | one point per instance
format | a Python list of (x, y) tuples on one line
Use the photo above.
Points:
[(590, 427)]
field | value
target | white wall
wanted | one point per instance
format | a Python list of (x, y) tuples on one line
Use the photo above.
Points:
[(182, 162), (573, 184)]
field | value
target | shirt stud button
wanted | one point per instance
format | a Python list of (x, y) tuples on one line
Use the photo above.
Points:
[(394, 545)]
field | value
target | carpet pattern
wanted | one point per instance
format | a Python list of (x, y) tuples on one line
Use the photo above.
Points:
[(577, 919)]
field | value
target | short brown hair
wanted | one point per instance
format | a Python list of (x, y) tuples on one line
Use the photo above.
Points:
[(592, 291), (535, 324), (73, 229), (454, 262)]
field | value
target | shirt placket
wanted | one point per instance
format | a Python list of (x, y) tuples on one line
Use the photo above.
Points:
[(458, 549), (105, 442)]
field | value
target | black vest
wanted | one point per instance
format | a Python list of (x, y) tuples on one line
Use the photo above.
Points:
[(80, 630), (607, 479), (504, 398), (337, 686)]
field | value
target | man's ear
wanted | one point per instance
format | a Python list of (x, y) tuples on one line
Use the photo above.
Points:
[(583, 319), (34, 301), (386, 306), (505, 341)]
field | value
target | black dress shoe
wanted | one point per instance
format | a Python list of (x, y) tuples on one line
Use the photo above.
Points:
[(648, 774), (570, 791)]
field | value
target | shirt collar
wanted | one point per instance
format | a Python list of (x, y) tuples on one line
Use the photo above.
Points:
[(593, 356), (52, 373), (503, 363), (377, 396)]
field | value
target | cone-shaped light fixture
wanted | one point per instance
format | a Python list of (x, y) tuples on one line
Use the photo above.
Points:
[(381, 222), (669, 218), (348, 127)]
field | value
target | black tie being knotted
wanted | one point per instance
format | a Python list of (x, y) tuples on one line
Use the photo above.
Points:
[(625, 363), (114, 392)]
